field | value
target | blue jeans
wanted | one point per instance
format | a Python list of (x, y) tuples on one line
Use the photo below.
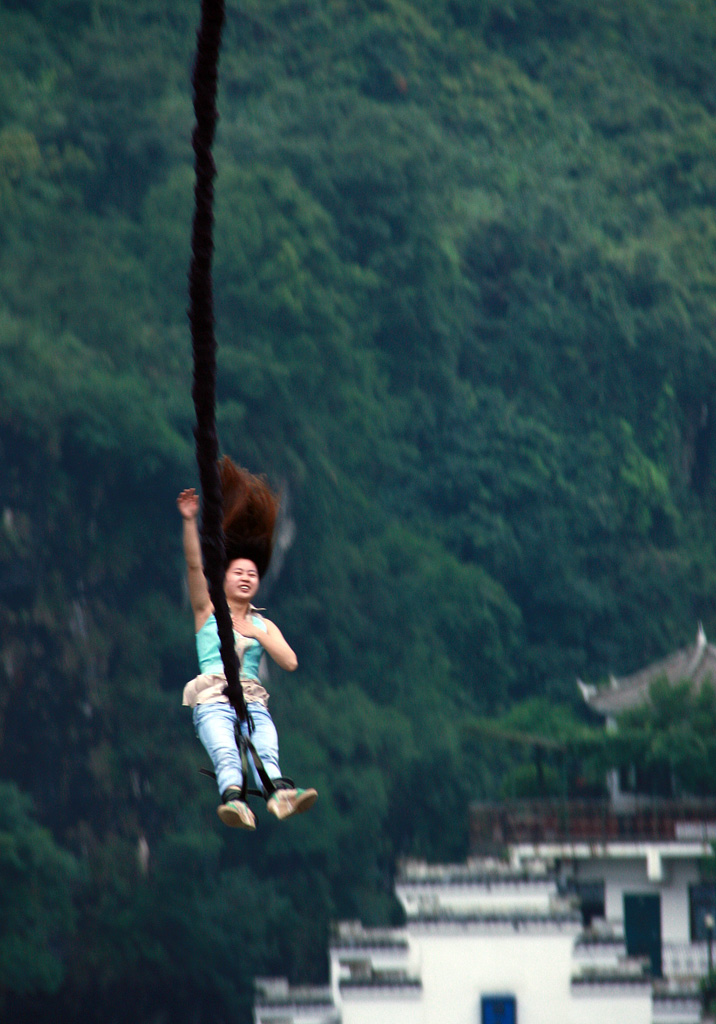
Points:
[(214, 725)]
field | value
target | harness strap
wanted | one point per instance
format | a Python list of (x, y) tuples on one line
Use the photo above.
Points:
[(270, 785), (246, 747), (212, 775)]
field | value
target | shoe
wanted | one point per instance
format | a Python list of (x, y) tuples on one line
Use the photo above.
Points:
[(285, 802), (236, 814)]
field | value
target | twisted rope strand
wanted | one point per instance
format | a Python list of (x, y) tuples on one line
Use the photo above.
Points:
[(201, 317)]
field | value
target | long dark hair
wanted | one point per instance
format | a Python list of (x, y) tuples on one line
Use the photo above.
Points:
[(250, 511)]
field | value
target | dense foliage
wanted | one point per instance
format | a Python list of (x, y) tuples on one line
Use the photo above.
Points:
[(466, 297)]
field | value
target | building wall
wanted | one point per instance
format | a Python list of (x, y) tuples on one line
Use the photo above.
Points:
[(611, 1005), (630, 876), (383, 1006), (458, 969), (675, 901)]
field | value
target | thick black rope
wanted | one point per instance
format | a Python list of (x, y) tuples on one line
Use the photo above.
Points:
[(201, 316)]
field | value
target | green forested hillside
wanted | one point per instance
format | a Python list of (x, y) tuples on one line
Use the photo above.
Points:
[(465, 280)]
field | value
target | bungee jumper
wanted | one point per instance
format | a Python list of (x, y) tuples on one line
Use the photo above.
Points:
[(250, 510), (227, 557)]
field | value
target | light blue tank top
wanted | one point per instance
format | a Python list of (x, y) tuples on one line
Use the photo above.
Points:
[(208, 649)]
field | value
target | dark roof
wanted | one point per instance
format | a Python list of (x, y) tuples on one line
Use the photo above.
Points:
[(696, 663), (589, 940), (295, 997), (477, 872), (514, 879), (516, 919), (612, 979), (368, 941), (381, 981), (351, 935)]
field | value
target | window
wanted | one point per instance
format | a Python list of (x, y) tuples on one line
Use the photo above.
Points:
[(702, 901), (590, 895)]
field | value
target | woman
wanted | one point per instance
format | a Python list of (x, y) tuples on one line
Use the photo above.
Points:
[(250, 511)]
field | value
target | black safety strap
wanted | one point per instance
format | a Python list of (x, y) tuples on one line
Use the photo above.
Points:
[(270, 785), (283, 782), (212, 775), (246, 747)]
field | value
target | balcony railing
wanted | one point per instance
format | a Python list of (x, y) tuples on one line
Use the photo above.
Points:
[(496, 825), (685, 959)]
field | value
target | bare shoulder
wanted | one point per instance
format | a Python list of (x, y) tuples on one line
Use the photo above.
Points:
[(271, 627)]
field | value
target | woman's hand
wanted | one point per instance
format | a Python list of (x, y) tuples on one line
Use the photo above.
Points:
[(272, 641), (245, 627), (188, 504)]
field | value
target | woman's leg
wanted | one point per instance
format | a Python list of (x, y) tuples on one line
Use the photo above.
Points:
[(285, 801), (265, 739), (214, 725)]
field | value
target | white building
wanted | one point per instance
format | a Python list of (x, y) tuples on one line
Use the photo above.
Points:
[(576, 926), (581, 912)]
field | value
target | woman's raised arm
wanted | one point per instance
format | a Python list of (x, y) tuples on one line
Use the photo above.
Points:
[(188, 505)]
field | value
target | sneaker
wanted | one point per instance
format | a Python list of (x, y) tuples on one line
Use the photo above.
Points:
[(285, 802), (236, 814)]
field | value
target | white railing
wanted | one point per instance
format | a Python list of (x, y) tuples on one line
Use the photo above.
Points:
[(685, 959)]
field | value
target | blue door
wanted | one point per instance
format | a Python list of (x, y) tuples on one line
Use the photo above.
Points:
[(499, 1010)]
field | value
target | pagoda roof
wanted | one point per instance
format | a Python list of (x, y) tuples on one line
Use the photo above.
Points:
[(695, 663)]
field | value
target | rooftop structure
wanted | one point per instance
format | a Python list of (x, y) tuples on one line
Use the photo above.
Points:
[(696, 663)]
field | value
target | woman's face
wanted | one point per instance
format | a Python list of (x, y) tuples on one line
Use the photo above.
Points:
[(242, 580)]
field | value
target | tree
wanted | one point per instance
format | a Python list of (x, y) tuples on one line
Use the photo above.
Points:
[(37, 913)]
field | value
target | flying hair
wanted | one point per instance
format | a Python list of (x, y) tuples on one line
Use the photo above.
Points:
[(250, 509)]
